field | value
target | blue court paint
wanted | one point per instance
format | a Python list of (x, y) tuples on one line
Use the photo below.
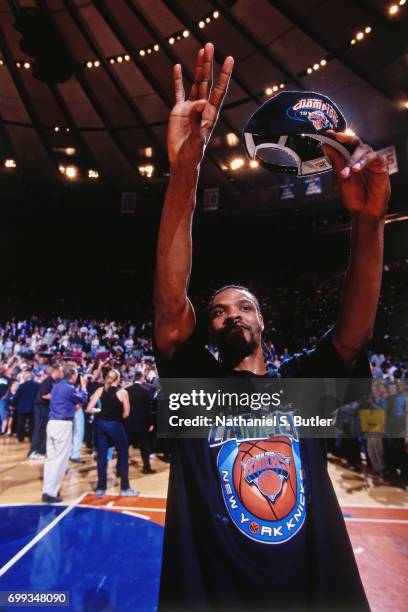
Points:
[(19, 524), (107, 560)]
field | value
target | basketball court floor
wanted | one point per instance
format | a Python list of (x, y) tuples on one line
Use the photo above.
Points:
[(106, 552)]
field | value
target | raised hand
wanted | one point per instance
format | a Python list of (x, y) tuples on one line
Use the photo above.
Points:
[(363, 181), (192, 121)]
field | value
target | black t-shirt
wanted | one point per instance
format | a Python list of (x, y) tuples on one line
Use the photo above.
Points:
[(5, 382), (230, 544), (140, 416), (112, 407), (44, 389)]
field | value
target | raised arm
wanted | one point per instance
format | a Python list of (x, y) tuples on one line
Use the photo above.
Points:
[(190, 126), (90, 409), (364, 187)]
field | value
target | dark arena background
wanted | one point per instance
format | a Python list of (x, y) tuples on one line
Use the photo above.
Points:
[(85, 94)]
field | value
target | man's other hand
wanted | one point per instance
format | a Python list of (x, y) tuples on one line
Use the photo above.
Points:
[(363, 182)]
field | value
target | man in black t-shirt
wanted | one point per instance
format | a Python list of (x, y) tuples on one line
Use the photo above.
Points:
[(41, 411), (254, 522), (139, 423)]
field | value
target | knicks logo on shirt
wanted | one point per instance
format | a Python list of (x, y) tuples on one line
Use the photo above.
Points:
[(263, 488)]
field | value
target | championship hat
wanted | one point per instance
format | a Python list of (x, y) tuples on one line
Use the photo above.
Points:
[(286, 133)]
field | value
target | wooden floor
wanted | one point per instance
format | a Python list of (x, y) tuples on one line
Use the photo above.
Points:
[(20, 479), (376, 512)]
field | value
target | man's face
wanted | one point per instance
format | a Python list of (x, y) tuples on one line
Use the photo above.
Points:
[(235, 324), (57, 374)]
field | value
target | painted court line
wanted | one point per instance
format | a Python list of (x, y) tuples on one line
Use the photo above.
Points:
[(142, 516), (107, 507), (375, 520), (40, 535), (375, 506)]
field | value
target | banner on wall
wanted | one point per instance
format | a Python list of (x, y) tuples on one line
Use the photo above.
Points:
[(287, 190), (390, 154), (312, 185), (128, 204), (211, 199)]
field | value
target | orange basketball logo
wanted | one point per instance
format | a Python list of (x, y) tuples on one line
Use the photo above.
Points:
[(264, 477), (262, 484)]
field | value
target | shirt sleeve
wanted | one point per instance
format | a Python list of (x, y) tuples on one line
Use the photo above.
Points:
[(325, 362), (190, 360), (79, 397)]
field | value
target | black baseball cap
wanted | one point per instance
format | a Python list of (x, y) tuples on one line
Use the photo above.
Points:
[(286, 133)]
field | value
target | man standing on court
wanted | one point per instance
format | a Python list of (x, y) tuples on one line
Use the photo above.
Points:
[(41, 412), (64, 400)]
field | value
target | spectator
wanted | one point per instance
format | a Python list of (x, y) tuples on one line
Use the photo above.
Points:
[(41, 413), (23, 401), (63, 401), (111, 432), (139, 423)]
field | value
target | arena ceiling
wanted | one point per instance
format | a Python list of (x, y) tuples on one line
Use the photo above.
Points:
[(114, 60)]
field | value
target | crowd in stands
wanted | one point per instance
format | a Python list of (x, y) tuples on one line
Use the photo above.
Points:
[(296, 313)]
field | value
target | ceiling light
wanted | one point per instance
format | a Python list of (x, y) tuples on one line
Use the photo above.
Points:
[(405, 104), (1, 62), (186, 33), (97, 64), (232, 139), (146, 170), (120, 59), (142, 52), (67, 129), (18, 64), (70, 151), (268, 91), (323, 62), (216, 14), (207, 19), (56, 129), (236, 163), (89, 64), (171, 40), (393, 9), (149, 51), (127, 58), (275, 88), (93, 174), (309, 71), (112, 60), (61, 169), (282, 85), (10, 163), (148, 152), (316, 66), (360, 35), (402, 2), (253, 163), (71, 172), (368, 30), (156, 47), (26, 65), (353, 41), (201, 24)]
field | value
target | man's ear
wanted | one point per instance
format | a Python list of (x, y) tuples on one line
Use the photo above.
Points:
[(262, 322)]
